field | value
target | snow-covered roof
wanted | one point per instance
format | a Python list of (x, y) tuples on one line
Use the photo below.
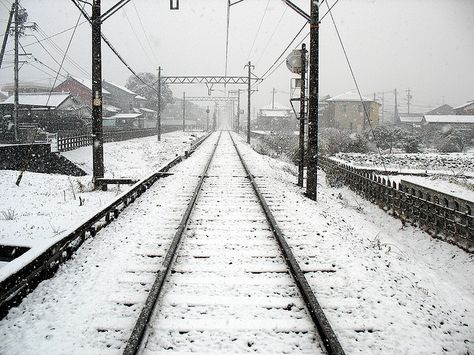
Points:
[(123, 88), (139, 97), (349, 96), (111, 108), (449, 119), (144, 109), (126, 115), (276, 106), (411, 119), (88, 84), (45, 99), (466, 104)]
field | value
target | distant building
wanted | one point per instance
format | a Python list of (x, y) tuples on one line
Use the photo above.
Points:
[(465, 109), (53, 112), (82, 89), (461, 122), (346, 111), (410, 121), (25, 87), (276, 117), (120, 97), (3, 96), (442, 110)]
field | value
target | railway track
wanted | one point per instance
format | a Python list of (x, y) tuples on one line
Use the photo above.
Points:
[(233, 285), (196, 264)]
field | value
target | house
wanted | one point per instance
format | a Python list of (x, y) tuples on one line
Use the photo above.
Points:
[(82, 89), (465, 109), (120, 97), (346, 111), (410, 120), (123, 121), (461, 122), (25, 87), (55, 111), (276, 117), (442, 110)]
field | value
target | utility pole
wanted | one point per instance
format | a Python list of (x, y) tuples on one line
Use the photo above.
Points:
[(395, 113), (97, 129), (158, 114), (273, 99), (312, 179), (207, 121), (184, 111), (302, 114), (238, 110), (214, 119), (16, 74), (250, 66), (409, 97), (5, 38), (383, 106)]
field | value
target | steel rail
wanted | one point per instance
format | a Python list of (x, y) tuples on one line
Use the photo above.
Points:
[(16, 286), (137, 337), (327, 334)]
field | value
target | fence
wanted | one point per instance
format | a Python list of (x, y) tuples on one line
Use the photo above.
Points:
[(74, 140), (455, 225)]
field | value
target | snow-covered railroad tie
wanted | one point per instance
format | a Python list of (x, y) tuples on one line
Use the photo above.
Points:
[(229, 287)]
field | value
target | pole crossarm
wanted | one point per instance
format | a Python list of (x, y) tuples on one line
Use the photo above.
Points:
[(208, 80), (212, 99), (297, 10)]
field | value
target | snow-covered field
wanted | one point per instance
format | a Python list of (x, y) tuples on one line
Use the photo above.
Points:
[(47, 206), (449, 173), (386, 288), (449, 163)]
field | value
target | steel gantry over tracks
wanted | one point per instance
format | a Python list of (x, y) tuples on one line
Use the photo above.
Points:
[(208, 80)]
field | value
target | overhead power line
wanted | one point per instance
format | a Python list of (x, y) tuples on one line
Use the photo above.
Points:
[(258, 30)]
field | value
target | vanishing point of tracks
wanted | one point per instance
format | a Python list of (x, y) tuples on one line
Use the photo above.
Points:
[(229, 281)]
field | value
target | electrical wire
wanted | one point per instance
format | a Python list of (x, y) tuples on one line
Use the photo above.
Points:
[(366, 113), (273, 34), (265, 76), (144, 32), (258, 30), (137, 37)]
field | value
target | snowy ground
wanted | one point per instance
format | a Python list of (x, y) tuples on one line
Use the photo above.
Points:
[(395, 289), (449, 173), (452, 163), (46, 206), (386, 289)]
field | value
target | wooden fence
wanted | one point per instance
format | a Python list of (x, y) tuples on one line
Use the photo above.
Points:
[(451, 223), (76, 140)]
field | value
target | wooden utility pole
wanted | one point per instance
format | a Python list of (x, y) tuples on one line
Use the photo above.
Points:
[(16, 74), (250, 66), (7, 31), (302, 115), (238, 110), (97, 129), (184, 111), (312, 178), (273, 99), (158, 111)]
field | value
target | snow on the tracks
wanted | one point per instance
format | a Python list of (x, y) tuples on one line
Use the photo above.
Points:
[(394, 290), (91, 304)]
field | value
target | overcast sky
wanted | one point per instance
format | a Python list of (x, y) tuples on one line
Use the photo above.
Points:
[(424, 45)]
